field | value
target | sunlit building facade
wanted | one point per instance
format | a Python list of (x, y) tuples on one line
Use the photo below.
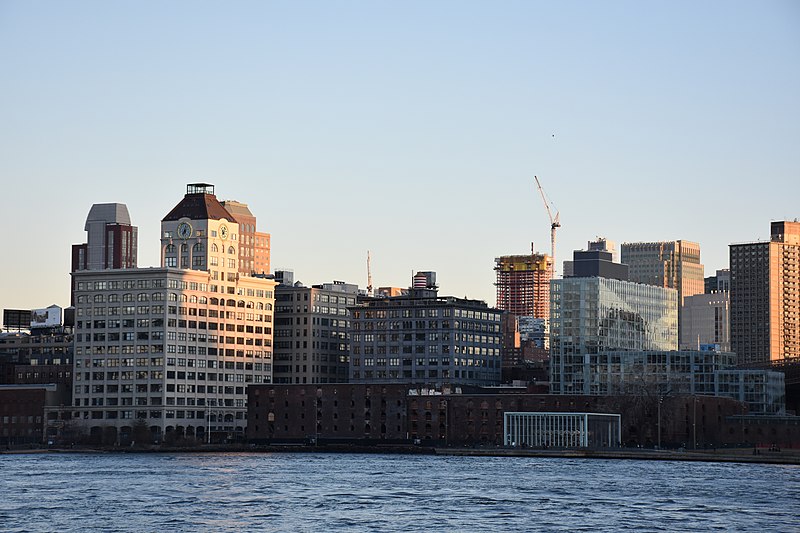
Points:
[(174, 346), (765, 296), (523, 284)]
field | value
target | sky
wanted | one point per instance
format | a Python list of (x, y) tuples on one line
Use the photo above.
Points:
[(411, 129)]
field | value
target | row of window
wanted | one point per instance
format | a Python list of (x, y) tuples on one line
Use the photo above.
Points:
[(426, 313), (421, 361), (160, 283)]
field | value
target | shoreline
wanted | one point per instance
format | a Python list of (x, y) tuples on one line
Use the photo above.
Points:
[(741, 455)]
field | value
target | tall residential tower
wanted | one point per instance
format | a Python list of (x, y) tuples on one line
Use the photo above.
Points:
[(765, 296), (523, 284)]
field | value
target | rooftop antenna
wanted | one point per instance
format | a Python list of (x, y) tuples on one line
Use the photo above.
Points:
[(369, 273)]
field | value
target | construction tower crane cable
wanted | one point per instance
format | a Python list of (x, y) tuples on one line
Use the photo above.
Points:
[(554, 224)]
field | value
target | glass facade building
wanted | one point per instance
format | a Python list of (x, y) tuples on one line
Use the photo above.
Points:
[(701, 372), (593, 315)]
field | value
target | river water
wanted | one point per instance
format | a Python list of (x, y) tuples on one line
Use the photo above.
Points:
[(341, 492)]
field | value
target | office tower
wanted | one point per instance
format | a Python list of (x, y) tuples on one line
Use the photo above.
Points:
[(597, 263), (426, 339), (705, 319), (254, 246), (600, 245), (592, 315), (670, 264), (111, 240), (523, 284), (311, 343), (765, 296), (177, 345), (721, 281)]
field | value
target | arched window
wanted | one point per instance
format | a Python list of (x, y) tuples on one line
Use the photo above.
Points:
[(214, 301), (170, 249), (198, 247), (184, 298), (231, 250), (193, 299), (203, 300), (260, 305), (249, 305), (241, 303), (231, 303), (214, 247), (173, 297), (184, 248), (269, 307)]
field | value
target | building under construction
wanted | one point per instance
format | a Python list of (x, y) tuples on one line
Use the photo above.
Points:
[(523, 284)]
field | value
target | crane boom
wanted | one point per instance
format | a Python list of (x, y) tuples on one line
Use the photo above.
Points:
[(554, 224)]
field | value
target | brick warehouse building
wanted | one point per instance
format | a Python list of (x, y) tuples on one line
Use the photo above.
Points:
[(402, 413)]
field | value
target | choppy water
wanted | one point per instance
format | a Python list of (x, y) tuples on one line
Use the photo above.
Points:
[(319, 492)]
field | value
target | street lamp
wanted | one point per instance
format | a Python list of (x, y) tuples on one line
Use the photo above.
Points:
[(694, 422), (660, 401)]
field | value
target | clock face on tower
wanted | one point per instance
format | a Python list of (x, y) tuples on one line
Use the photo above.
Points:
[(223, 231), (184, 230)]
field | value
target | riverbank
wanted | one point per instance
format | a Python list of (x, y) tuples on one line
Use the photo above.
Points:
[(743, 455), (738, 455)]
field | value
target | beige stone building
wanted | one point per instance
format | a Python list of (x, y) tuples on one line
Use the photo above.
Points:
[(669, 264)]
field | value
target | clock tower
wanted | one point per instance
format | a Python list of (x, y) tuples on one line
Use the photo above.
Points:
[(200, 234)]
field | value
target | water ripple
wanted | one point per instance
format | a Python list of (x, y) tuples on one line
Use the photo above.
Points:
[(315, 492)]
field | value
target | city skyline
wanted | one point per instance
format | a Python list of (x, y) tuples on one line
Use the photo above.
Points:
[(414, 133)]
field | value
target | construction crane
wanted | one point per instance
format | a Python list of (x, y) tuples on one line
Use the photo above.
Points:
[(369, 274), (554, 224)]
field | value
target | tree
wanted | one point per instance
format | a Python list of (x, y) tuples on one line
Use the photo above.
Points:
[(141, 433)]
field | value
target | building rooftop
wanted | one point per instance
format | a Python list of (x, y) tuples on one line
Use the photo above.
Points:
[(202, 205)]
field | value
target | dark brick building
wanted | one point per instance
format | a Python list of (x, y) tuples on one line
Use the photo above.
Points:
[(395, 413), (22, 412)]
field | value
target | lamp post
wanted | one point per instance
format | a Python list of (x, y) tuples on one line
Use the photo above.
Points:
[(660, 401), (694, 422)]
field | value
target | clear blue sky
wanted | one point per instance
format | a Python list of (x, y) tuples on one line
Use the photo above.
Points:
[(412, 129)]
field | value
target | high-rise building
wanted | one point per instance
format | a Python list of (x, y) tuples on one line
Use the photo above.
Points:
[(589, 316), (765, 296), (721, 281), (174, 346), (111, 240), (426, 339), (523, 284), (669, 264), (705, 319), (600, 245), (311, 327), (596, 263)]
